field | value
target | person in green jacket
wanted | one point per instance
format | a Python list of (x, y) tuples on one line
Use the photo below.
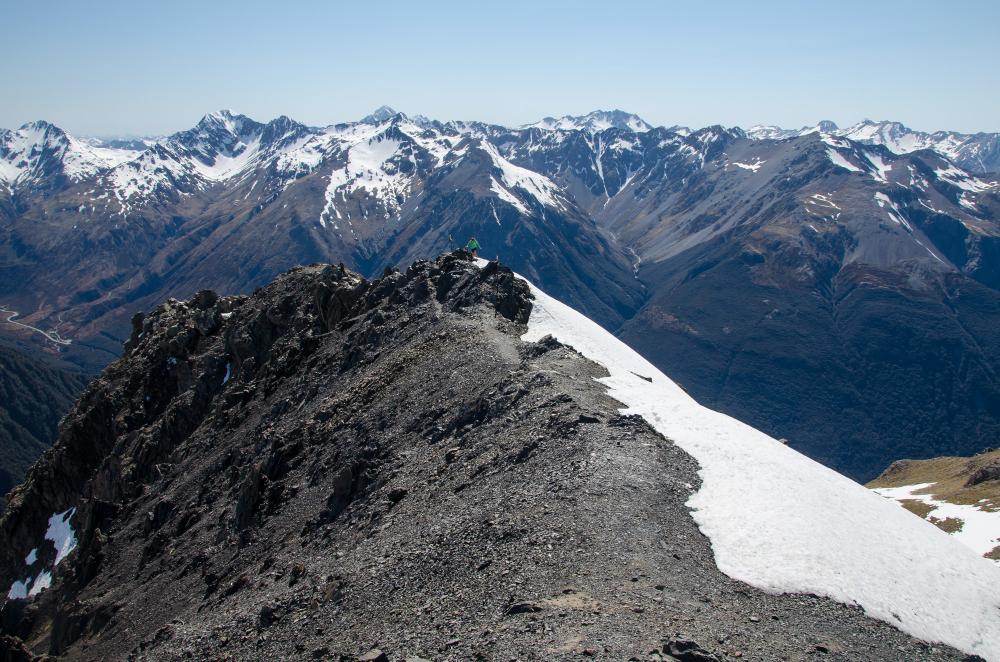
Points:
[(472, 246)]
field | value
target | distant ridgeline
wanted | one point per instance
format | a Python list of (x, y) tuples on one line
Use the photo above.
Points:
[(835, 288)]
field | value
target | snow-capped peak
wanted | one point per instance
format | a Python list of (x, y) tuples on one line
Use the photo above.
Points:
[(594, 122), (979, 153), (226, 121), (771, 132), (40, 153), (379, 115)]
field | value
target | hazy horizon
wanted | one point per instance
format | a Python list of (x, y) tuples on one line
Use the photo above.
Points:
[(119, 69)]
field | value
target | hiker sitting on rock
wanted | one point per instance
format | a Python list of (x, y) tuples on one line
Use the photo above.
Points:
[(472, 246)]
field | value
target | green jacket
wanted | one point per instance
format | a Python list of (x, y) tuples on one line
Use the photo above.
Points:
[(472, 245)]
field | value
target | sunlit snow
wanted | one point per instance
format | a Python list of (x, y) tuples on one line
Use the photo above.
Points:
[(980, 529), (42, 582), (61, 534), (784, 523), (839, 160), (880, 167)]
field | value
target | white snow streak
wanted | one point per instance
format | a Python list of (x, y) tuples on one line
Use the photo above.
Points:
[(538, 186), (754, 167), (42, 582), (839, 160), (881, 168)]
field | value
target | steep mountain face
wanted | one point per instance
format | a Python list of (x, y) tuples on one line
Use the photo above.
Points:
[(332, 465), (959, 495), (34, 395), (977, 153), (828, 291)]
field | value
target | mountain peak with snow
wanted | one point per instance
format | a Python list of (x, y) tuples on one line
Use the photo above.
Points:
[(227, 121), (978, 153), (40, 154), (594, 122), (380, 114)]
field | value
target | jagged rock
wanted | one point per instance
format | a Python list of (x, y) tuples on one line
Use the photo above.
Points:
[(686, 650), (983, 474), (522, 608), (13, 649), (374, 655)]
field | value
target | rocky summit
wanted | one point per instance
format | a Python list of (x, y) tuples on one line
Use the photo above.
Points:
[(347, 469)]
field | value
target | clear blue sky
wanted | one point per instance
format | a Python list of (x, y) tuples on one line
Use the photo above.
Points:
[(130, 67)]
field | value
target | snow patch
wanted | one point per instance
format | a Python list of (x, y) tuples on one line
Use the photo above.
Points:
[(980, 529), (880, 167), (894, 212), (61, 534), (42, 582), (19, 590), (784, 523), (961, 179), (839, 160), (31, 557), (753, 167), (538, 186), (507, 196)]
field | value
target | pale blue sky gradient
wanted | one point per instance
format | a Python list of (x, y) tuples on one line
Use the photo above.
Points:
[(117, 67)]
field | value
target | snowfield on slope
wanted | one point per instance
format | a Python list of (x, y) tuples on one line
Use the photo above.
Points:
[(784, 523), (978, 526)]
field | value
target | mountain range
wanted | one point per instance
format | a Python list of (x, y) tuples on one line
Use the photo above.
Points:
[(839, 292), (977, 152)]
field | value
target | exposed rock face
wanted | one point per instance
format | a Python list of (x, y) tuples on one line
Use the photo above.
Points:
[(335, 468)]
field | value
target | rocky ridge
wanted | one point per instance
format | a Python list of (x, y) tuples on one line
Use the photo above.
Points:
[(337, 468)]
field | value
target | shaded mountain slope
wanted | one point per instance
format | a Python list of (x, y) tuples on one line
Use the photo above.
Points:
[(333, 465), (870, 372), (34, 395)]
